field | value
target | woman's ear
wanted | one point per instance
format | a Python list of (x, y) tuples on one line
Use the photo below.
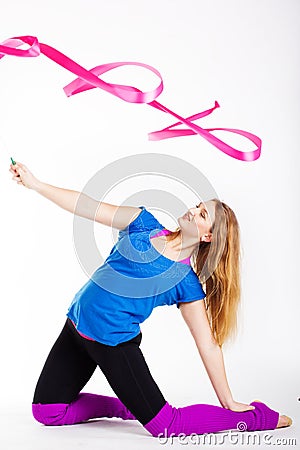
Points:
[(207, 237)]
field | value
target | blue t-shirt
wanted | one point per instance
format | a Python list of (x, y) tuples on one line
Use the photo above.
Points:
[(134, 279)]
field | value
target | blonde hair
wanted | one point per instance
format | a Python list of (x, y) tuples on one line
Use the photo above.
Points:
[(217, 265)]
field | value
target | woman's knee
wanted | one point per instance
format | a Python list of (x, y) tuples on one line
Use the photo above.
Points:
[(51, 413)]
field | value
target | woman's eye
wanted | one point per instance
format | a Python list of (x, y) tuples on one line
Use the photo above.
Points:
[(203, 215)]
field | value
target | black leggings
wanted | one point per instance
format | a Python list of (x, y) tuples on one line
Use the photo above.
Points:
[(73, 360)]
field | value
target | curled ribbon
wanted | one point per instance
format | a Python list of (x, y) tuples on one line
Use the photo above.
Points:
[(89, 79)]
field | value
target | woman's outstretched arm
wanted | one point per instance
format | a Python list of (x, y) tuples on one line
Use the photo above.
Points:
[(76, 202), (195, 316)]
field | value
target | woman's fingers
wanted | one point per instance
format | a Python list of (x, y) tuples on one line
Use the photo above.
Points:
[(22, 175), (15, 168), (240, 407), (18, 164), (13, 171)]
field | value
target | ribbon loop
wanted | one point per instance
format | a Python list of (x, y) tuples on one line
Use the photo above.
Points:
[(9, 47), (89, 79)]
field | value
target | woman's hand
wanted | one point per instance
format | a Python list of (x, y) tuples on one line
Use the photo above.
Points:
[(22, 175), (238, 407)]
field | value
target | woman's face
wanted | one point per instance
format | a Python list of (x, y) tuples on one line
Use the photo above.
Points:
[(197, 222)]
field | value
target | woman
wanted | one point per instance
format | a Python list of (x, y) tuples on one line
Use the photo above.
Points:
[(149, 266)]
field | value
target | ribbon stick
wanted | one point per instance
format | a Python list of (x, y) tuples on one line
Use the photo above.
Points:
[(89, 79)]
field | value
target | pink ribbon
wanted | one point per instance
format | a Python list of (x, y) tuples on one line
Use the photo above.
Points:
[(89, 79)]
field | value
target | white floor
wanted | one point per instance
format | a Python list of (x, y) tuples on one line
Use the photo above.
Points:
[(19, 430)]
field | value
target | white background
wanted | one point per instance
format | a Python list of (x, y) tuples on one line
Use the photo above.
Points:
[(243, 54)]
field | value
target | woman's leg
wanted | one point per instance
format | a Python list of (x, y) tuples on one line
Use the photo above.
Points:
[(128, 374), (203, 418), (68, 368)]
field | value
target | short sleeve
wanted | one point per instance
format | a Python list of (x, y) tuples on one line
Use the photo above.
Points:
[(190, 289), (145, 221)]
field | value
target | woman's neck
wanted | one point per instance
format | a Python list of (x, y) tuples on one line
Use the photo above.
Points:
[(178, 248)]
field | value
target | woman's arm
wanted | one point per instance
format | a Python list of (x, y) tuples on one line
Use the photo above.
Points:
[(82, 205), (195, 316), (213, 361), (76, 202), (68, 199)]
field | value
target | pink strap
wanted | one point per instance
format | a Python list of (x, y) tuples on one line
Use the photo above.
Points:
[(165, 232), (89, 79)]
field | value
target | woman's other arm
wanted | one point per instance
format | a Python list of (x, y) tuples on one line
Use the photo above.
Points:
[(195, 316), (76, 202)]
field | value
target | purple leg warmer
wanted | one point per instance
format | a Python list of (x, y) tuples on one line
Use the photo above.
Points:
[(86, 406), (202, 418)]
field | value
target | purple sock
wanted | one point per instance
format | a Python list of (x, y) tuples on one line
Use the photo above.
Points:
[(86, 406), (202, 418)]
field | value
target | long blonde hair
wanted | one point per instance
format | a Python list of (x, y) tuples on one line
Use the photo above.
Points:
[(217, 265)]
